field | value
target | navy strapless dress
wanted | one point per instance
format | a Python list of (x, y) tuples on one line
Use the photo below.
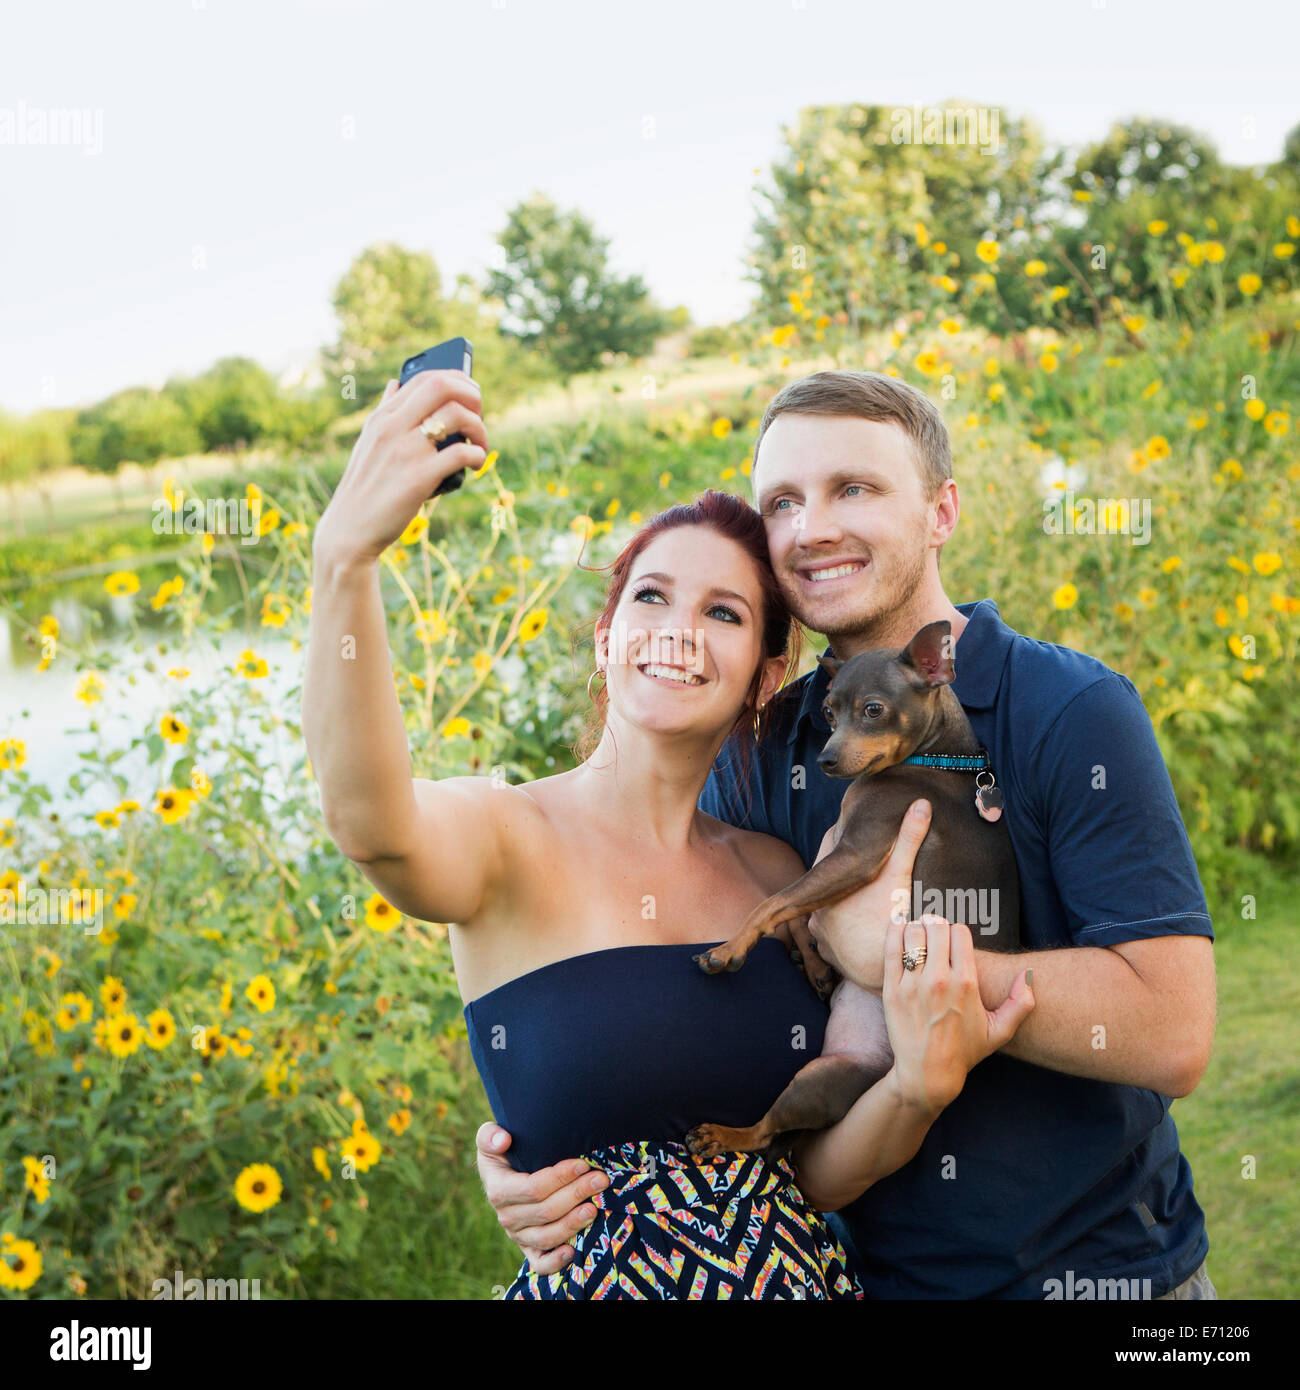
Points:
[(613, 1056)]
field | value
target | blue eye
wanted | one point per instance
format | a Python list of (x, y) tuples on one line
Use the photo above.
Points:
[(732, 615)]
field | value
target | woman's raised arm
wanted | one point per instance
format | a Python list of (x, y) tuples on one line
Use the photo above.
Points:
[(439, 839)]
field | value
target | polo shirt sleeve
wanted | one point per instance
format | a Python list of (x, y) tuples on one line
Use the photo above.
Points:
[(1116, 844)]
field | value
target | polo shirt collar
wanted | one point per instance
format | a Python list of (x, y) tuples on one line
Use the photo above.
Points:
[(982, 649)]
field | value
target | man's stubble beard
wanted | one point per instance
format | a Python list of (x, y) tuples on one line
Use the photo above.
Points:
[(875, 625)]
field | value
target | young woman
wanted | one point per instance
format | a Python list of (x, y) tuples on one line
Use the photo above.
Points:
[(579, 899)]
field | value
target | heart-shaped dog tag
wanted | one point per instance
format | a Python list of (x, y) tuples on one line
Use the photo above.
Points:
[(988, 798)]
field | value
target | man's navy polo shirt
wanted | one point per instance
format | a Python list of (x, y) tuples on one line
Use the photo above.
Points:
[(1030, 1173)]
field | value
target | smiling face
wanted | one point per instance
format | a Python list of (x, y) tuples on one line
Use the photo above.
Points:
[(849, 528), (687, 636)]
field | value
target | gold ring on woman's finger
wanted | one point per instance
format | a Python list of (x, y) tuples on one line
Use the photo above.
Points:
[(915, 959), (433, 429)]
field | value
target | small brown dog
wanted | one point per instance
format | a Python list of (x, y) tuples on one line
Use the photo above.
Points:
[(885, 707)]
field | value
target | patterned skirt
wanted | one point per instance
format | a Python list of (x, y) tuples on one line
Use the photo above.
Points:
[(670, 1227)]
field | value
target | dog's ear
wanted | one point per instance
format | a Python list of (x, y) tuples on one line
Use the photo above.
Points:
[(831, 664), (929, 653)]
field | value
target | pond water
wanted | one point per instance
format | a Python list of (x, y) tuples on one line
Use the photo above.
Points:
[(41, 708)]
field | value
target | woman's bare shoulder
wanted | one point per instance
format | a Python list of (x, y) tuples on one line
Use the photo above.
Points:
[(771, 862)]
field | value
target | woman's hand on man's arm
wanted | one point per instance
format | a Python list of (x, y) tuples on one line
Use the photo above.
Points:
[(542, 1211)]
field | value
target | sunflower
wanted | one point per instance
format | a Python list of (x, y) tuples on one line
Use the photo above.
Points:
[(173, 730), (261, 993), (381, 915), (78, 1007), (258, 1187), (162, 1029), (363, 1149), (532, 625), (113, 994), (124, 1035), (122, 582), (36, 1181), (251, 665), (20, 1264), (174, 803)]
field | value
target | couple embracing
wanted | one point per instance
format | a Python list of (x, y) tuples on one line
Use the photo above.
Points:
[(1012, 1142)]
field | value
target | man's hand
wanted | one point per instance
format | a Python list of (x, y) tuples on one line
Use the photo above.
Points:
[(542, 1211), (850, 934)]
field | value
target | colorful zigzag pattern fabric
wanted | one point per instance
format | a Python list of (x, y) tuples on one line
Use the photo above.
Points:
[(669, 1227)]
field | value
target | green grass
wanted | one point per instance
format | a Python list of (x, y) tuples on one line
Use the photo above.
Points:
[(1248, 1103)]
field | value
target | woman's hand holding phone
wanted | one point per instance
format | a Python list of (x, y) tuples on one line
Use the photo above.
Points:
[(395, 467)]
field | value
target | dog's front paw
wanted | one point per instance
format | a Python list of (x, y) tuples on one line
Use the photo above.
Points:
[(707, 1141), (718, 959)]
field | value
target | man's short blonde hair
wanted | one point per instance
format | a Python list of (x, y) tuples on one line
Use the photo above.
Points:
[(871, 396)]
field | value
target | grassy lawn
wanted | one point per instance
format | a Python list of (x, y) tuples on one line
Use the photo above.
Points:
[(1248, 1104)]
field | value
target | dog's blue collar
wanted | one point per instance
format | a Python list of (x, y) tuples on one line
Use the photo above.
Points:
[(953, 762)]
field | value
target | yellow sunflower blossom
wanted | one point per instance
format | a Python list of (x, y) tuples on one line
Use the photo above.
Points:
[(363, 1149), (90, 688), (174, 804), (124, 1035), (112, 994), (122, 582), (251, 666), (381, 915), (261, 994), (258, 1187), (532, 624), (173, 730), (21, 1264), (275, 610), (160, 1029)]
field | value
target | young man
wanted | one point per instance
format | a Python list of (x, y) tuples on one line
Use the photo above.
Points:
[(1059, 1162)]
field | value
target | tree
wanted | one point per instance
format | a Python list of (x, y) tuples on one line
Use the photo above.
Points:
[(389, 306), (870, 205), (235, 402), (1147, 156), (560, 296), (138, 425)]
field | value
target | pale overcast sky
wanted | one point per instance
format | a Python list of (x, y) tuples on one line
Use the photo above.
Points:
[(239, 153)]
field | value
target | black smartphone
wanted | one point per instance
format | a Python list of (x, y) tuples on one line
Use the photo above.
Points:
[(455, 354)]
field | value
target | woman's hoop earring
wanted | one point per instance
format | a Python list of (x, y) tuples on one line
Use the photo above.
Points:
[(757, 712), (592, 677)]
